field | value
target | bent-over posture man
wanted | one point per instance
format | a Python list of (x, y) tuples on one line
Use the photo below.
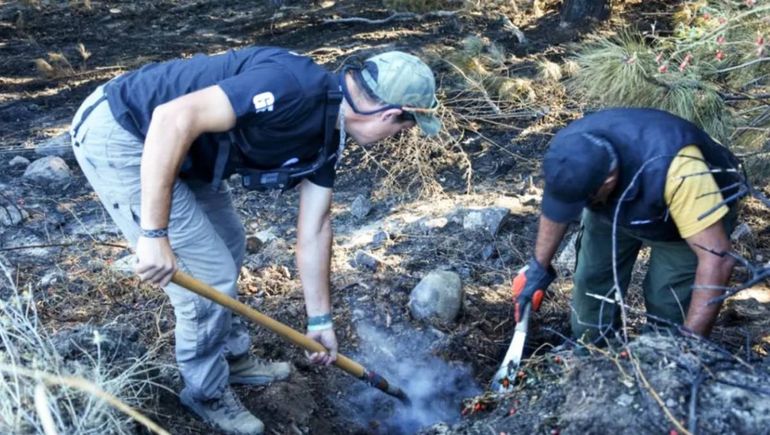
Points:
[(651, 173), (156, 145)]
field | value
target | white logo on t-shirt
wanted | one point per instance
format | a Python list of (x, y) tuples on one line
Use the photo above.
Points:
[(264, 102)]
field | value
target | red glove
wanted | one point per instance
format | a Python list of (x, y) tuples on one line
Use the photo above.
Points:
[(529, 286)]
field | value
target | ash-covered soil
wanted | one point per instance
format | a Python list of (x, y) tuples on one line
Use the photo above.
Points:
[(60, 244)]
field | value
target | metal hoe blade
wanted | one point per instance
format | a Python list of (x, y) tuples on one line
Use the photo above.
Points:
[(502, 382)]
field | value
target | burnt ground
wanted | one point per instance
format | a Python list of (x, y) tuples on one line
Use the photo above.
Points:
[(68, 236)]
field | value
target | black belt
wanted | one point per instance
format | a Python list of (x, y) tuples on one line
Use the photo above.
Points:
[(86, 112)]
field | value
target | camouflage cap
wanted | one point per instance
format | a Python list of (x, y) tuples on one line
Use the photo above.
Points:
[(402, 79)]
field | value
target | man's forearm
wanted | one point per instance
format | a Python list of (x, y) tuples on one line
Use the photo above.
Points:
[(313, 262), (549, 236), (700, 315)]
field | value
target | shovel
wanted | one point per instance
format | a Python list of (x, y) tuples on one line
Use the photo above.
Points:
[(289, 334), (502, 382)]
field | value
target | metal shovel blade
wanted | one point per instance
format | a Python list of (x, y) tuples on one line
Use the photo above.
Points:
[(502, 382)]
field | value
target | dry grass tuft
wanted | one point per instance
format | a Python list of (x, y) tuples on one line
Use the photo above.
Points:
[(84, 54), (517, 90), (56, 66), (75, 400), (549, 71), (570, 68), (412, 163), (44, 68)]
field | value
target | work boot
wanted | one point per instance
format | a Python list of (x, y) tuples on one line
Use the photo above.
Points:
[(226, 413), (254, 371)]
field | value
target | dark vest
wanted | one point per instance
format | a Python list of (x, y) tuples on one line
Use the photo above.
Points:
[(646, 141), (215, 157)]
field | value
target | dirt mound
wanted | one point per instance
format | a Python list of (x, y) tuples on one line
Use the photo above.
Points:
[(659, 383)]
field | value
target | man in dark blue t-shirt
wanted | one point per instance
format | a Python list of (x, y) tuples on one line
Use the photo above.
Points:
[(156, 145)]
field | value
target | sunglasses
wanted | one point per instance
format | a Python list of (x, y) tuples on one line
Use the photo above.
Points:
[(407, 112)]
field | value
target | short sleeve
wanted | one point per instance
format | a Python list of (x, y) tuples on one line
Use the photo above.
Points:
[(691, 192), (267, 91), (325, 175)]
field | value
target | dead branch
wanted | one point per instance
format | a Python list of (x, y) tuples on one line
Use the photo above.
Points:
[(677, 327), (396, 16), (61, 245), (693, 420)]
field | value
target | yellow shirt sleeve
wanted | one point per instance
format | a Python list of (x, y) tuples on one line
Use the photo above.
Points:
[(688, 196)]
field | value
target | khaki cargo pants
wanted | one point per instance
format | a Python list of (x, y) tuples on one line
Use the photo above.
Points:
[(206, 235)]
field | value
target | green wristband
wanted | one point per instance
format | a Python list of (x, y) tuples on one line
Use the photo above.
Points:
[(318, 323)]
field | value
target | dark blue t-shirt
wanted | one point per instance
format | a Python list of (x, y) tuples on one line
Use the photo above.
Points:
[(279, 99)]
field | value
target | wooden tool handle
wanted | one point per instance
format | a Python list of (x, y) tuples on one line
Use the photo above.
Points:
[(285, 331)]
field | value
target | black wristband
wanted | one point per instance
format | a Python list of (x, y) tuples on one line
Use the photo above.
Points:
[(154, 234)]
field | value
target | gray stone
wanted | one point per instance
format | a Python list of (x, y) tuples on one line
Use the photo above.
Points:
[(624, 399), (488, 220), (380, 239), (253, 244), (125, 265), (50, 170), (12, 215), (53, 276), (365, 260), (361, 207), (265, 236), (426, 225), (434, 224), (60, 146), (439, 295), (116, 345), (18, 161)]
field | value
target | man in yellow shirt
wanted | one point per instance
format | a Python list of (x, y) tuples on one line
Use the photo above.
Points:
[(650, 174)]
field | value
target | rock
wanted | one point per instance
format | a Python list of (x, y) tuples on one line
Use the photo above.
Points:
[(265, 236), (488, 220), (18, 161), (434, 224), (124, 265), (426, 225), (365, 260), (12, 215), (740, 232), (53, 276), (59, 146), (438, 295), (50, 170), (380, 239), (115, 345), (565, 260), (253, 244), (624, 399), (361, 207)]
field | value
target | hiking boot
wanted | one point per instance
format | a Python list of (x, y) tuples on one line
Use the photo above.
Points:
[(254, 371), (226, 413)]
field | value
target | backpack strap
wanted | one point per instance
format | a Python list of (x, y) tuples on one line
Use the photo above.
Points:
[(281, 178), (220, 162)]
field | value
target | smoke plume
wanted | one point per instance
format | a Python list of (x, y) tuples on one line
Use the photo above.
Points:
[(436, 387)]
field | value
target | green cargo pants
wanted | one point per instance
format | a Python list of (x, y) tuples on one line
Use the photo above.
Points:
[(667, 285)]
